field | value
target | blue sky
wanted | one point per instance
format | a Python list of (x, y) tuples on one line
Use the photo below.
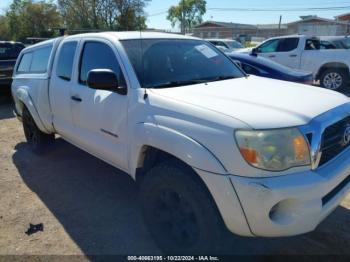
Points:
[(157, 6)]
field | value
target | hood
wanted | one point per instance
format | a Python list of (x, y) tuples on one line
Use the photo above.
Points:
[(244, 50), (261, 103), (300, 73)]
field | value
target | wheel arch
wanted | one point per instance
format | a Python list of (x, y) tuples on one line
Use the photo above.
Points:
[(218, 188), (156, 143), (23, 100), (338, 65)]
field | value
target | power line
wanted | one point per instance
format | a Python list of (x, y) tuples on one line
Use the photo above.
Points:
[(293, 9), (156, 14), (333, 8)]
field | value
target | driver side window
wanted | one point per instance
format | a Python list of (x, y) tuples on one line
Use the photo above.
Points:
[(97, 55), (269, 47)]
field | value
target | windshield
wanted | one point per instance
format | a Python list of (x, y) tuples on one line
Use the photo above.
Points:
[(169, 63), (234, 44), (9, 51)]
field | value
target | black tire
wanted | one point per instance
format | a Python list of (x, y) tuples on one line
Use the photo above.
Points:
[(334, 79), (37, 139), (179, 211)]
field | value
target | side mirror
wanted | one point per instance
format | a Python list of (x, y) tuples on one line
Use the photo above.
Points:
[(104, 79), (255, 51)]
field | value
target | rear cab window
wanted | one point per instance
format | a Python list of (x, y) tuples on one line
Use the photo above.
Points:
[(35, 61), (313, 44), (65, 60), (327, 45), (24, 65), (346, 43)]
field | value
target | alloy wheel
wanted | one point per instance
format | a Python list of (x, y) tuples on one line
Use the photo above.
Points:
[(333, 81)]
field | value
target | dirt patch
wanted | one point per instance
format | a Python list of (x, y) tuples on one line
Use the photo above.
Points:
[(87, 207)]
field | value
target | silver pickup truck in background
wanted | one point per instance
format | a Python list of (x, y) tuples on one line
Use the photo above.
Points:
[(329, 65)]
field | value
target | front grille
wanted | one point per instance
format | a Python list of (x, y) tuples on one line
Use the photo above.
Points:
[(333, 140)]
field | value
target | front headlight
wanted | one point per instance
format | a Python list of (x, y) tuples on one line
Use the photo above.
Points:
[(274, 150)]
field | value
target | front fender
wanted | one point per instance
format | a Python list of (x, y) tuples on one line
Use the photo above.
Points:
[(175, 143), (22, 98)]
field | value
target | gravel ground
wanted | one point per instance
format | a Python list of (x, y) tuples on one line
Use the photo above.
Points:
[(90, 208)]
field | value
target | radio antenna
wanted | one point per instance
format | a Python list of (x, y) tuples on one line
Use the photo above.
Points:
[(145, 96)]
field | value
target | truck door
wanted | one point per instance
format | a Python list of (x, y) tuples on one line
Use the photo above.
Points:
[(283, 51), (60, 88), (99, 116)]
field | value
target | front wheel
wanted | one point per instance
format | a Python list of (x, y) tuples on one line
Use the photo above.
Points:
[(37, 139), (334, 79), (179, 211)]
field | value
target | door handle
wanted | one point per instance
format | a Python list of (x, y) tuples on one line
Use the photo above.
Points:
[(293, 55), (272, 56), (76, 99)]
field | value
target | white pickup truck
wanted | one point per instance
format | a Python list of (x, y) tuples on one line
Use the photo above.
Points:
[(329, 65), (211, 147)]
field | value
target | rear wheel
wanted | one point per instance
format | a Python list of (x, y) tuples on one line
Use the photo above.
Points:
[(179, 211), (37, 139), (334, 79)]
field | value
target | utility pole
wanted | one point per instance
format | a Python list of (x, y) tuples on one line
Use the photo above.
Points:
[(279, 25), (183, 27)]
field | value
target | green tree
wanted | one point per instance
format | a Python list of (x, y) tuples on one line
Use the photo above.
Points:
[(26, 18), (131, 14), (81, 14), (4, 29), (103, 14), (187, 14)]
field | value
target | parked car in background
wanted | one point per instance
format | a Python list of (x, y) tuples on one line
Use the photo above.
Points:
[(211, 149), (260, 66), (226, 45), (9, 52), (329, 65), (340, 42)]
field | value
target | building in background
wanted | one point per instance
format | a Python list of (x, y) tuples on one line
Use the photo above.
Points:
[(307, 25), (214, 29), (271, 30), (345, 18), (316, 26)]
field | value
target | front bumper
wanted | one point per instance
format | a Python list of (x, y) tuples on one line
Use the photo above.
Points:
[(293, 204), (280, 206)]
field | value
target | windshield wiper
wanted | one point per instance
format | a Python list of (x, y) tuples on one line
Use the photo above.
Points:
[(220, 78), (190, 82), (178, 83)]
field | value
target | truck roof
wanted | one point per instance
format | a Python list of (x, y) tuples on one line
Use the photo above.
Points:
[(220, 39), (134, 35), (116, 35), (287, 36)]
